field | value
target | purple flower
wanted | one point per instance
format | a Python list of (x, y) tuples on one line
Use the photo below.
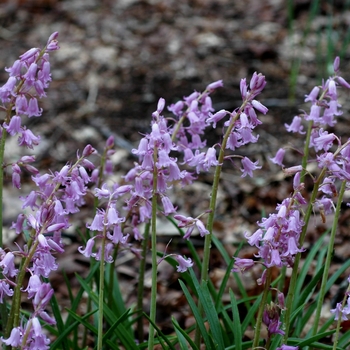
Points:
[(52, 43), (29, 54), (88, 249), (28, 139), (249, 167), (168, 206), (33, 108), (16, 176), (259, 106), (292, 248), (201, 228), (234, 141), (293, 170), (312, 97), (7, 89), (184, 264), (210, 159), (98, 221), (214, 85), (338, 311), (242, 264), (215, 118), (295, 126), (343, 82), (31, 73), (275, 259), (18, 225), (16, 68), (184, 221), (21, 104), (15, 125), (43, 263), (46, 318), (176, 108), (112, 216), (324, 141), (332, 89), (117, 235), (278, 159), (255, 238), (43, 296), (4, 290), (33, 286), (14, 339)]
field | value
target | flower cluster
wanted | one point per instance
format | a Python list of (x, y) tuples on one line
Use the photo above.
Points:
[(323, 112), (28, 78), (157, 169), (277, 239), (48, 208), (343, 311)]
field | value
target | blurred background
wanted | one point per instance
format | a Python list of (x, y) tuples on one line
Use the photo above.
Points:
[(117, 58)]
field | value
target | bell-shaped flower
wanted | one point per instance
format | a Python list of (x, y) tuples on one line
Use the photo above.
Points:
[(184, 264), (278, 158), (249, 167), (14, 127)]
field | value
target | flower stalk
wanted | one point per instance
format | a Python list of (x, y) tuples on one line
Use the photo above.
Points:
[(322, 293)]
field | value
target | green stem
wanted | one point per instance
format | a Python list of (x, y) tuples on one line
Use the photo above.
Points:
[(340, 320), (13, 320), (306, 151), (141, 282), (329, 256), (154, 254), (293, 279), (2, 153), (4, 315), (101, 291), (256, 340), (212, 207), (213, 198)]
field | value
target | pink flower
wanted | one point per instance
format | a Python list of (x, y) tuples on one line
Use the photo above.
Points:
[(184, 263), (278, 159), (249, 167)]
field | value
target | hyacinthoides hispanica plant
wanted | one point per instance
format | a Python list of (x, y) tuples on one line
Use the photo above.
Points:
[(28, 78), (281, 235), (145, 192)]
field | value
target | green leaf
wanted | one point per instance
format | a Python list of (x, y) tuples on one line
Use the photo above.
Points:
[(344, 340), (77, 299), (160, 335), (250, 317), (302, 301), (209, 309), (179, 331), (223, 284), (59, 321), (57, 344), (122, 333), (305, 270), (198, 317), (237, 329), (82, 320)]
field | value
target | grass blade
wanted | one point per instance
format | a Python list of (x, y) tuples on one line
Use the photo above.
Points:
[(198, 317), (237, 329)]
